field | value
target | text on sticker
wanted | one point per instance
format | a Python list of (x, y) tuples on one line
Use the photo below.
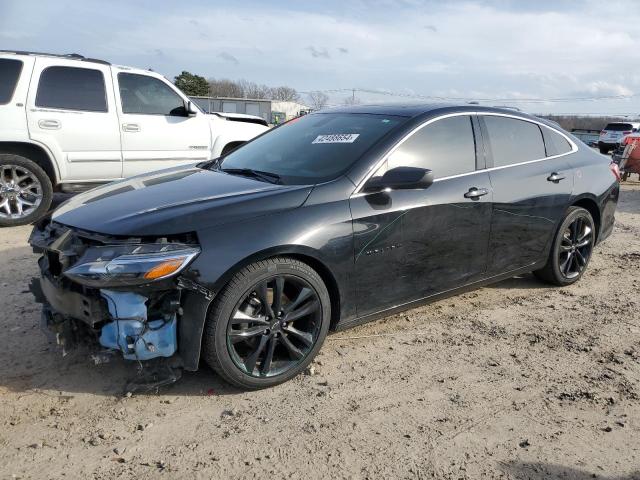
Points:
[(337, 138)]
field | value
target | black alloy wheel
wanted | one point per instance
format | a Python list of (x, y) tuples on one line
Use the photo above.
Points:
[(275, 326), (571, 249), (575, 247), (268, 323)]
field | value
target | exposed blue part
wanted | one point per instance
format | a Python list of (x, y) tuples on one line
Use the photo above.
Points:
[(131, 333)]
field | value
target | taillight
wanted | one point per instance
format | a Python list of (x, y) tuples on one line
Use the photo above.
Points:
[(626, 133), (615, 170)]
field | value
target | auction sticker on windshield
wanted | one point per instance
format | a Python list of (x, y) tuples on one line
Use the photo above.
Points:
[(337, 138)]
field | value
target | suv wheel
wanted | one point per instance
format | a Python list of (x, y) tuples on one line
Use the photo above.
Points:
[(25, 191), (267, 324), (571, 249)]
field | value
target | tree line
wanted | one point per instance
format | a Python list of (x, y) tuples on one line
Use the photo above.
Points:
[(195, 85), (570, 122)]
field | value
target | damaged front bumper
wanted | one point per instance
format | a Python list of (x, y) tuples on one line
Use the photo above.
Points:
[(96, 290)]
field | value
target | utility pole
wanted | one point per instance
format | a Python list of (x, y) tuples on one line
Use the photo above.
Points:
[(353, 96)]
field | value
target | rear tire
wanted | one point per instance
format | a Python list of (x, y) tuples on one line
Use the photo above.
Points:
[(571, 249), (26, 191), (267, 324)]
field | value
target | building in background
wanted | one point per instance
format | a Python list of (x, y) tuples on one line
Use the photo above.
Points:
[(249, 106), (283, 111)]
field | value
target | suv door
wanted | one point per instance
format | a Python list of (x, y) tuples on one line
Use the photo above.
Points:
[(531, 189), (71, 110), (410, 244), (156, 130)]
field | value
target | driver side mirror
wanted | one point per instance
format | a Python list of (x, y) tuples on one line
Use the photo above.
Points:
[(401, 178), (190, 109)]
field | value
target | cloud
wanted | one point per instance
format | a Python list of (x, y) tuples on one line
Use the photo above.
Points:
[(343, 50), (431, 28), (227, 57), (318, 52)]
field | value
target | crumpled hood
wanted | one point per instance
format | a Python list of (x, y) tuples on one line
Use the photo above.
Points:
[(176, 200)]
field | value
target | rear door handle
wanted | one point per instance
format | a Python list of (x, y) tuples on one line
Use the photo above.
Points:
[(130, 127), (475, 193), (555, 177), (49, 124)]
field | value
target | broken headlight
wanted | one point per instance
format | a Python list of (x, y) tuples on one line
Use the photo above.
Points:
[(124, 265)]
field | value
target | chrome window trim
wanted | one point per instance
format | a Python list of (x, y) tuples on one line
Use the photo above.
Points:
[(574, 148)]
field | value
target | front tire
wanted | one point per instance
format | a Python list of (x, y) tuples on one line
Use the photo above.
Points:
[(267, 324), (571, 250), (25, 191)]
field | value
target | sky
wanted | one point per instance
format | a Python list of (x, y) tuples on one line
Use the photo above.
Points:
[(543, 56)]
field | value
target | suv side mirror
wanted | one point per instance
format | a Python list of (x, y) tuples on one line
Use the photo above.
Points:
[(401, 178), (191, 111)]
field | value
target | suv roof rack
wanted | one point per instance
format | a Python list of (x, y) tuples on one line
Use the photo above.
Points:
[(69, 56)]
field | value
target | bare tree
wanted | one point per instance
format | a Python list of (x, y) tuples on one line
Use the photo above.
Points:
[(318, 100), (284, 94), (225, 88), (253, 89)]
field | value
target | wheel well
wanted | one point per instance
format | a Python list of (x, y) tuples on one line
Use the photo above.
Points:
[(325, 274), (592, 207), (229, 147), (32, 152), (328, 279)]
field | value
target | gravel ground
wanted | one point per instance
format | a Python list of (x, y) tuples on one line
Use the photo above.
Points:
[(517, 380)]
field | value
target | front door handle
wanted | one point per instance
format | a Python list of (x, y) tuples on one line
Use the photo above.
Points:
[(130, 127), (475, 193), (49, 124), (555, 177)]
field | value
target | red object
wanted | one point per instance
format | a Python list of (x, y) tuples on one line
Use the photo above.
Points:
[(615, 170)]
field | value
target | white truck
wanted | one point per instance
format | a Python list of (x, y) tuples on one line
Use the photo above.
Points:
[(68, 123)]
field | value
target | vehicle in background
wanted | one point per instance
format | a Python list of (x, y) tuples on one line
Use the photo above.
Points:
[(588, 136), (331, 220), (611, 135), (68, 123), (627, 155)]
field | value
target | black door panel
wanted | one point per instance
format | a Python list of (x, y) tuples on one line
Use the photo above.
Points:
[(526, 209), (414, 243)]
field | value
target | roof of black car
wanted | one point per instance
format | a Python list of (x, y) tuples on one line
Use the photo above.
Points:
[(416, 109)]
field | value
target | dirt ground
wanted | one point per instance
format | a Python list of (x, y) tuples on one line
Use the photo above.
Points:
[(518, 380)]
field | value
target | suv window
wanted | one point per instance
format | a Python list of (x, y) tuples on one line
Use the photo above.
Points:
[(618, 127), (446, 147), (148, 96), (9, 74), (72, 88), (513, 141), (555, 143)]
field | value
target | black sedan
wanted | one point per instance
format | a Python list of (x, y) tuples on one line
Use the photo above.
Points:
[(325, 222)]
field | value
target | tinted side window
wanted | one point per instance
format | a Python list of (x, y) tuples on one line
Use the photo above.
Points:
[(71, 88), (446, 147), (555, 143), (513, 141), (9, 74), (148, 96)]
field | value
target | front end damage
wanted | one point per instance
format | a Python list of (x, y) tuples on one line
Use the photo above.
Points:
[(128, 295)]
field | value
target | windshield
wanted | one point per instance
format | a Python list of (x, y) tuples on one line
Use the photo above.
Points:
[(312, 149)]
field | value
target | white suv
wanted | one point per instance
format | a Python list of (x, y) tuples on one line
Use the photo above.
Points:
[(612, 134), (68, 123)]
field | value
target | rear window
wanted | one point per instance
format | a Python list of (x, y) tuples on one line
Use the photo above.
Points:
[(9, 74), (618, 127), (71, 88), (513, 141), (555, 143)]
